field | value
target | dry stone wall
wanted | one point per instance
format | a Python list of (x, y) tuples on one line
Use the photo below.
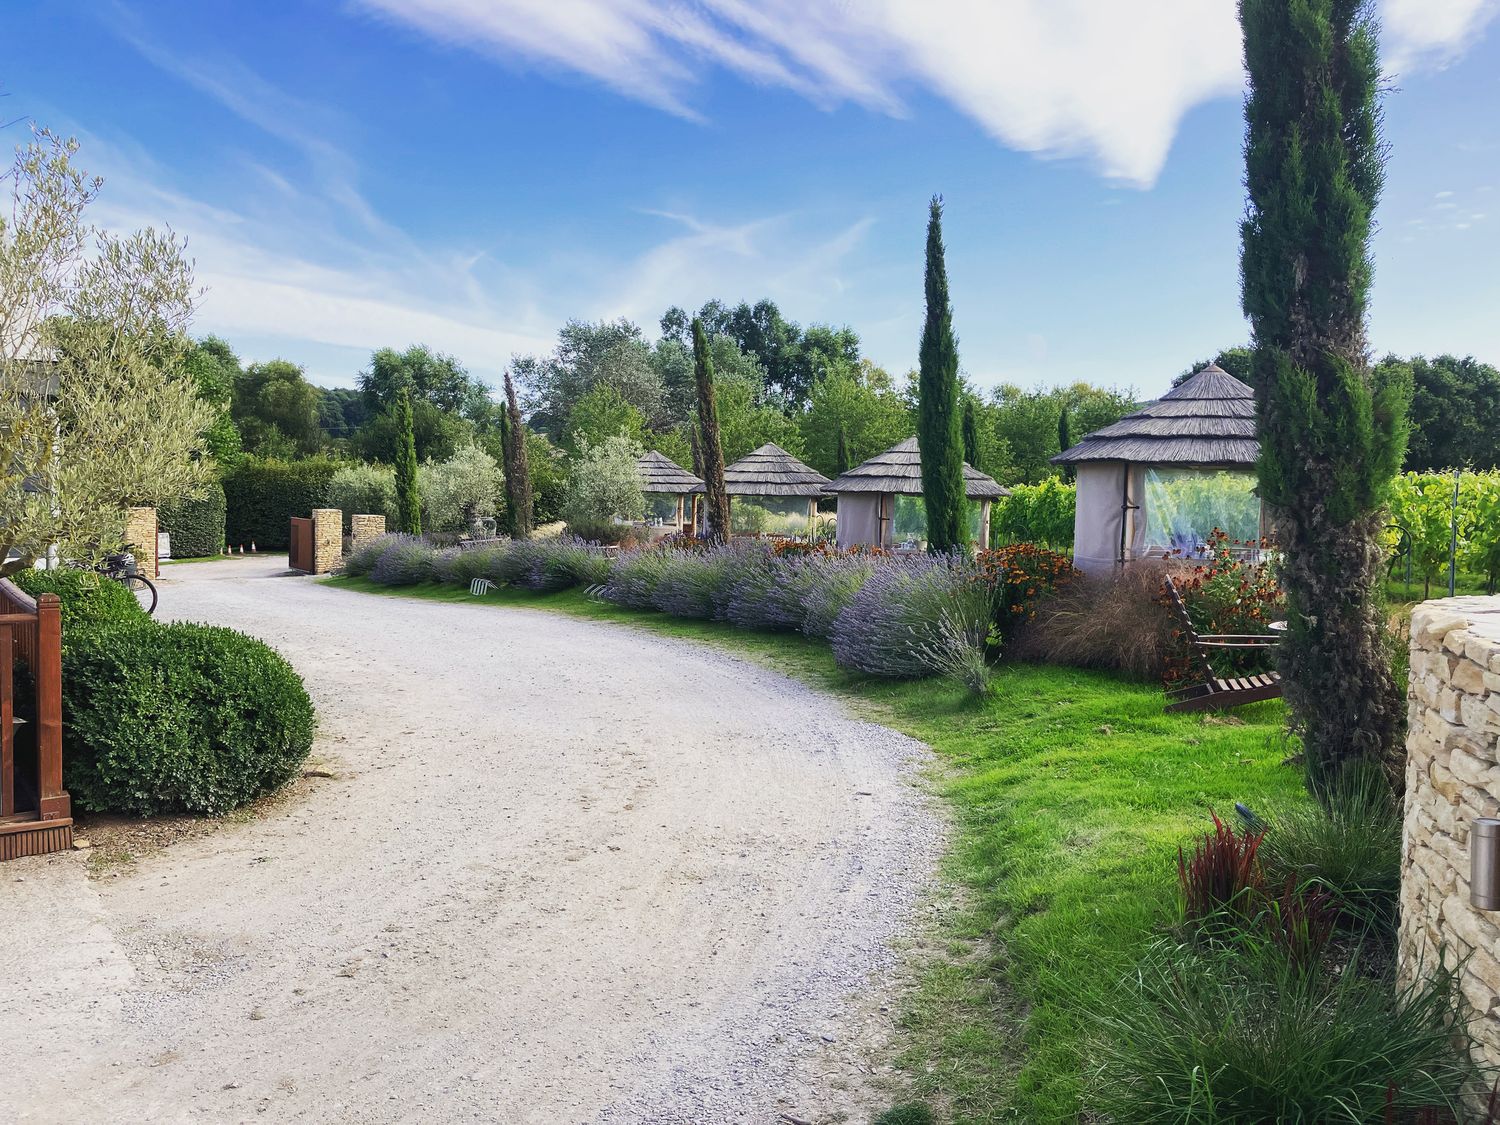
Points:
[(364, 529), (140, 535), (328, 540), (1453, 776)]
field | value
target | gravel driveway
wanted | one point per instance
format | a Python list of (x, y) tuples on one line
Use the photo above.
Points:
[(563, 872)]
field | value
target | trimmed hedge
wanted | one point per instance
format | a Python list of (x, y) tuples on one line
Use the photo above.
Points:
[(178, 718), (88, 599), (262, 496), (196, 526)]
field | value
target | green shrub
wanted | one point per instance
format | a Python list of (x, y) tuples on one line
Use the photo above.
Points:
[(359, 489), (196, 526), (1239, 1032), (178, 718), (263, 495), (88, 599)]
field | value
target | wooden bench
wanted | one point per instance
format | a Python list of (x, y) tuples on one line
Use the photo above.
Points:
[(1211, 691)]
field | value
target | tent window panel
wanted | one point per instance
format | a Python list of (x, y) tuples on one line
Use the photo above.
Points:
[(910, 522), (661, 506), (769, 515), (1183, 507)]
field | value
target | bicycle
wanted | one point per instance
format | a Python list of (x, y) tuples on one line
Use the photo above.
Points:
[(121, 567)]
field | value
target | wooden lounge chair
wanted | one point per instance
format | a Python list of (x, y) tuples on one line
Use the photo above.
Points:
[(1212, 692)]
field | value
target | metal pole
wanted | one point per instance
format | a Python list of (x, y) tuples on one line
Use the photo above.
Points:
[(1453, 539)]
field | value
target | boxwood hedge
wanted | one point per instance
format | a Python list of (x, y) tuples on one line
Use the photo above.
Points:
[(262, 496), (178, 718), (88, 599), (196, 526)]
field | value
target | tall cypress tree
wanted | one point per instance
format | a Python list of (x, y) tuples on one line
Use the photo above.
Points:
[(1332, 434), (971, 434), (1065, 439), (938, 425), (518, 496), (408, 496), (711, 449)]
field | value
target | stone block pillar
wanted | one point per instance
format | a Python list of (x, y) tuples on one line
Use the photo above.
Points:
[(140, 539), (328, 540), (1452, 776), (366, 528)]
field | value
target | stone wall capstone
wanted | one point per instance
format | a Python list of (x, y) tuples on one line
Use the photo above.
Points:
[(328, 540), (365, 528), (1452, 777)]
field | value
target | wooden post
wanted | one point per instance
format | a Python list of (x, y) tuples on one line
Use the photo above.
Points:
[(7, 726), (52, 802)]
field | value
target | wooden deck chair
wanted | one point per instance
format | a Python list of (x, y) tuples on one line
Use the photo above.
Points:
[(1211, 692)]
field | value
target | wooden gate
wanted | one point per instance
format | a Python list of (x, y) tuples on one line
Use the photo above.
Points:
[(300, 552), (35, 812)]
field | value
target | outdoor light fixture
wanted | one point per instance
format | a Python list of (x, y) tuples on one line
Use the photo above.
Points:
[(1484, 863)]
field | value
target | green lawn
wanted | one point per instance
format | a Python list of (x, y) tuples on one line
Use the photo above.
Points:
[(1070, 791)]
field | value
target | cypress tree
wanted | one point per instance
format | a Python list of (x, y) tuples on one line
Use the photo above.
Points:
[(518, 497), (711, 449), (841, 455), (1332, 433), (938, 425), (408, 496), (1065, 439), (971, 434)]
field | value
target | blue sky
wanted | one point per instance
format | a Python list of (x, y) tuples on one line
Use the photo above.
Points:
[(470, 173)]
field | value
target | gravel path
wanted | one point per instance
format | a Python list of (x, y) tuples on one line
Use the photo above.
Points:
[(563, 872)]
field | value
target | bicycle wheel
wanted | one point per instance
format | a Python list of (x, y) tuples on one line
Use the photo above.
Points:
[(144, 591)]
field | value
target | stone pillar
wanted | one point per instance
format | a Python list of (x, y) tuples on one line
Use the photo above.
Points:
[(140, 539), (1452, 776), (365, 528), (328, 540)]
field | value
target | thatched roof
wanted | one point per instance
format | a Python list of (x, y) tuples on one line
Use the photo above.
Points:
[(661, 474), (899, 470), (1208, 420), (771, 471)]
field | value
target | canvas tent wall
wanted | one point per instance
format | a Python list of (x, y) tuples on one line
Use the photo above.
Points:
[(880, 500), (1165, 476)]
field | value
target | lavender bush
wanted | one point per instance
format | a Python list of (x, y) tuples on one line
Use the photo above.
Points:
[(406, 561), (827, 586), (363, 558), (914, 617), (633, 580)]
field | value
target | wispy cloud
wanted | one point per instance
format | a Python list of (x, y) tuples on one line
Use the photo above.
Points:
[(1107, 82), (1432, 32)]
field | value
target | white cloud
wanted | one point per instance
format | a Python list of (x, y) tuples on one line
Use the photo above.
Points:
[(1106, 81), (1436, 32)]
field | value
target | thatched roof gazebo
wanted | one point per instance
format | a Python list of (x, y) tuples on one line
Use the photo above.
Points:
[(665, 484), (771, 493), (1163, 478), (880, 500)]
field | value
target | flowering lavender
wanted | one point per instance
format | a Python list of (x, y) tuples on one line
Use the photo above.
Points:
[(405, 561), (914, 617)]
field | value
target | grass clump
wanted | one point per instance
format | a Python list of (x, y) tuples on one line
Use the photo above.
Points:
[(1237, 1031)]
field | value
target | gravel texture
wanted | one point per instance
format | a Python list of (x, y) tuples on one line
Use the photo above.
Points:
[(562, 871)]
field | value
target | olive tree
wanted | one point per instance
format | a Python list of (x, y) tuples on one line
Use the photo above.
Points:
[(98, 411), (605, 484)]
